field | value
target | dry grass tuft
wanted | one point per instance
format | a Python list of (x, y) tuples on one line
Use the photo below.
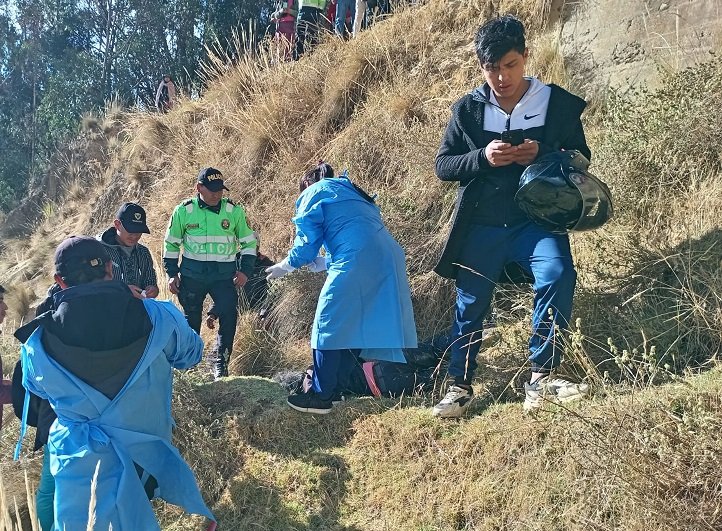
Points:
[(90, 123), (293, 305), (546, 60), (17, 512), (257, 351), (20, 301), (202, 439)]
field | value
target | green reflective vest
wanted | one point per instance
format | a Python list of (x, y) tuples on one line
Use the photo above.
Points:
[(318, 4), (210, 240)]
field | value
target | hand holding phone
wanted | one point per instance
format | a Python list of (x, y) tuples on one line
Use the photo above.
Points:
[(499, 153), (514, 137)]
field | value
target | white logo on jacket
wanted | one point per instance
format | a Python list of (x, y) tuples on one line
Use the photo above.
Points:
[(530, 112)]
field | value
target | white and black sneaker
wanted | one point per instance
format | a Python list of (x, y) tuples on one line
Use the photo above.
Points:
[(310, 403), (455, 403), (555, 391)]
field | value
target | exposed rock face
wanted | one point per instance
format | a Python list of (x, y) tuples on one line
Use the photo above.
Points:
[(625, 42)]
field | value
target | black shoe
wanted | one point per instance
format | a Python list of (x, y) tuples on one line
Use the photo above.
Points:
[(309, 403)]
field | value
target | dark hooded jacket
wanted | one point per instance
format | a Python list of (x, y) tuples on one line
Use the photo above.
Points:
[(486, 194), (98, 331)]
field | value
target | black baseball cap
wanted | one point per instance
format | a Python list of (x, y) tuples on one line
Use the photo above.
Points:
[(212, 179), (132, 217), (78, 253)]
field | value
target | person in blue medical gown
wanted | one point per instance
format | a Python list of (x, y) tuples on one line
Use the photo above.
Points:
[(364, 309), (104, 359)]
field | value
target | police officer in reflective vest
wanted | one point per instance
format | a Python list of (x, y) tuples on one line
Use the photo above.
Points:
[(212, 230)]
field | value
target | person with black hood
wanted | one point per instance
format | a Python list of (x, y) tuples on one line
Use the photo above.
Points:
[(41, 416), (494, 133), (132, 261), (103, 360)]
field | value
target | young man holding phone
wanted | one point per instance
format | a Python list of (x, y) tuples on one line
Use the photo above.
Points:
[(494, 133)]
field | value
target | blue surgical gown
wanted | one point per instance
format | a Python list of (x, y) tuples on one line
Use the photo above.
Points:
[(134, 427), (365, 302)]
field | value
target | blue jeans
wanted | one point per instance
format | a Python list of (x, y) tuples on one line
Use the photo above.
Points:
[(45, 495), (546, 256), (343, 7), (332, 371)]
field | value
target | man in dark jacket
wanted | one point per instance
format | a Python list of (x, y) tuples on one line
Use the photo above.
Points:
[(104, 360), (494, 133), (132, 261), (40, 413), (41, 416)]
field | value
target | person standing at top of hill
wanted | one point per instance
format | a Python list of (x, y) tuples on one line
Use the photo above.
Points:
[(165, 95), (344, 17), (104, 360), (285, 19), (309, 24), (364, 308), (132, 262), (496, 131), (211, 229)]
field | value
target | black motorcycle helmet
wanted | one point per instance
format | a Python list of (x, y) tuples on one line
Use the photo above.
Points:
[(559, 194)]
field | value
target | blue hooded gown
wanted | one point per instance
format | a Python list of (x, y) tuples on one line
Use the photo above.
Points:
[(365, 302), (92, 428)]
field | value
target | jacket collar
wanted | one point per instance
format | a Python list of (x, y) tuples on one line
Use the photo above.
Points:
[(216, 209), (106, 287), (102, 287)]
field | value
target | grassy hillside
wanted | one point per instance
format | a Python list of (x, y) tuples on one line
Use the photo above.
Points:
[(642, 460), (641, 455)]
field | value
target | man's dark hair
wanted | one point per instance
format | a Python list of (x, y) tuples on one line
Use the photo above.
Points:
[(85, 276), (497, 37)]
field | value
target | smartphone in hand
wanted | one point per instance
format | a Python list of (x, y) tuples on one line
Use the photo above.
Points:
[(513, 136)]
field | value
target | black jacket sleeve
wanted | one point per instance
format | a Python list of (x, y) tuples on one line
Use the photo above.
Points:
[(40, 413), (575, 140), (171, 266), (566, 130), (246, 264), (456, 160), (18, 395)]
